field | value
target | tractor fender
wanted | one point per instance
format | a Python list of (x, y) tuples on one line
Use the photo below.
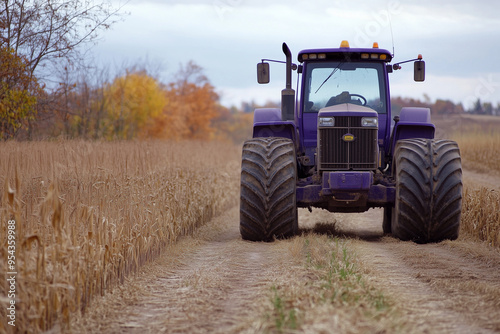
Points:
[(267, 123), (413, 123)]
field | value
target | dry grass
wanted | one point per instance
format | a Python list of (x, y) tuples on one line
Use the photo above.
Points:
[(89, 214), (479, 142), (481, 215), (330, 294), (480, 151), (478, 138)]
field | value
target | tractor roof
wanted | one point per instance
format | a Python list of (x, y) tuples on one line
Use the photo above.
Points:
[(345, 53)]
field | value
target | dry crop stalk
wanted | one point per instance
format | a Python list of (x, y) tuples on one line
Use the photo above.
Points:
[(86, 226)]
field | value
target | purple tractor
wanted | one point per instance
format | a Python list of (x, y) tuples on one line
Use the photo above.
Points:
[(337, 147)]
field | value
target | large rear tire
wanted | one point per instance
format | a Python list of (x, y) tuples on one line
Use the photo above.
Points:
[(428, 190), (268, 189)]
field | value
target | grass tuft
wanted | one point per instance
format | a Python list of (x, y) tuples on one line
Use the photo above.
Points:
[(327, 287)]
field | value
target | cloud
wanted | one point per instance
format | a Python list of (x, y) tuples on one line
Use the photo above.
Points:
[(260, 94), (458, 39)]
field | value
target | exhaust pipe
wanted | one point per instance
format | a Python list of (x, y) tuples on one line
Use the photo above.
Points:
[(288, 94)]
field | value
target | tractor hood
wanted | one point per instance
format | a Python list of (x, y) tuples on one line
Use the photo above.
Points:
[(347, 109)]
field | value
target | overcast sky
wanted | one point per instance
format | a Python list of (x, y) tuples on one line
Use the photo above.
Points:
[(459, 40)]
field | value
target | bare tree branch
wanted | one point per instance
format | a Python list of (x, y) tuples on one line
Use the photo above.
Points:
[(44, 31)]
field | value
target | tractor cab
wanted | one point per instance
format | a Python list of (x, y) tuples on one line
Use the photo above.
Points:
[(342, 82)]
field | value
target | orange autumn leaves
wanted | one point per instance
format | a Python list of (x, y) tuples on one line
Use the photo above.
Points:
[(139, 106)]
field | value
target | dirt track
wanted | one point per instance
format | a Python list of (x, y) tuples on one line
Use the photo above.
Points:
[(215, 282), (450, 287), (215, 285)]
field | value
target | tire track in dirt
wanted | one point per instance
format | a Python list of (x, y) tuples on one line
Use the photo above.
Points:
[(450, 287), (217, 285)]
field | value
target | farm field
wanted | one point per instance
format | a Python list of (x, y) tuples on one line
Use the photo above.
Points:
[(89, 214), (107, 219), (341, 275)]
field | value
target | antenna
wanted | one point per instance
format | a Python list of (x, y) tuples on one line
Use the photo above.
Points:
[(390, 26)]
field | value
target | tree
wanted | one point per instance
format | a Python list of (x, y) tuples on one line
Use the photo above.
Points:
[(477, 108), (193, 105), (442, 107), (17, 93), (233, 125), (488, 108), (46, 30), (134, 102), (42, 32), (79, 101)]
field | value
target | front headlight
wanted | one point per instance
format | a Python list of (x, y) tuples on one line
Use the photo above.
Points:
[(326, 121), (369, 122)]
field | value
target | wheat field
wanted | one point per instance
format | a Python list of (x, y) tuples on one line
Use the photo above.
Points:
[(480, 152), (481, 215), (90, 213), (479, 143), (478, 138)]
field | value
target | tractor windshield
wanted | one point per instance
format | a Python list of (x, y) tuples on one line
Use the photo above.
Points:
[(331, 83)]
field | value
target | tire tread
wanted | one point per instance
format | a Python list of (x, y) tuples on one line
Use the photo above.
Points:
[(429, 190), (268, 181)]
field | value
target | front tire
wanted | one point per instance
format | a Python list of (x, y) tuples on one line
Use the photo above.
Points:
[(428, 190), (268, 189)]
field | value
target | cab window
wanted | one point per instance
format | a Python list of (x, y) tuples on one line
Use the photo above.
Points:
[(331, 83)]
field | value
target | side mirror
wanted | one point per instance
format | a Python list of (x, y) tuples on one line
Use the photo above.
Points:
[(263, 73), (419, 70)]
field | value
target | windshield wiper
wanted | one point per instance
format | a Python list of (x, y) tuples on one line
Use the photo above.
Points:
[(328, 78)]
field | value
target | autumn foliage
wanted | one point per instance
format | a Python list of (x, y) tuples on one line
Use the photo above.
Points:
[(17, 93), (134, 101), (45, 42), (137, 105), (192, 106)]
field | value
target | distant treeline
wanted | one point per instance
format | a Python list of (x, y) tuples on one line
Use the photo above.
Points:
[(443, 107), (438, 107), (133, 105)]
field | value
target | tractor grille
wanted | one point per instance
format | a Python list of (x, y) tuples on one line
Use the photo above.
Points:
[(337, 154)]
